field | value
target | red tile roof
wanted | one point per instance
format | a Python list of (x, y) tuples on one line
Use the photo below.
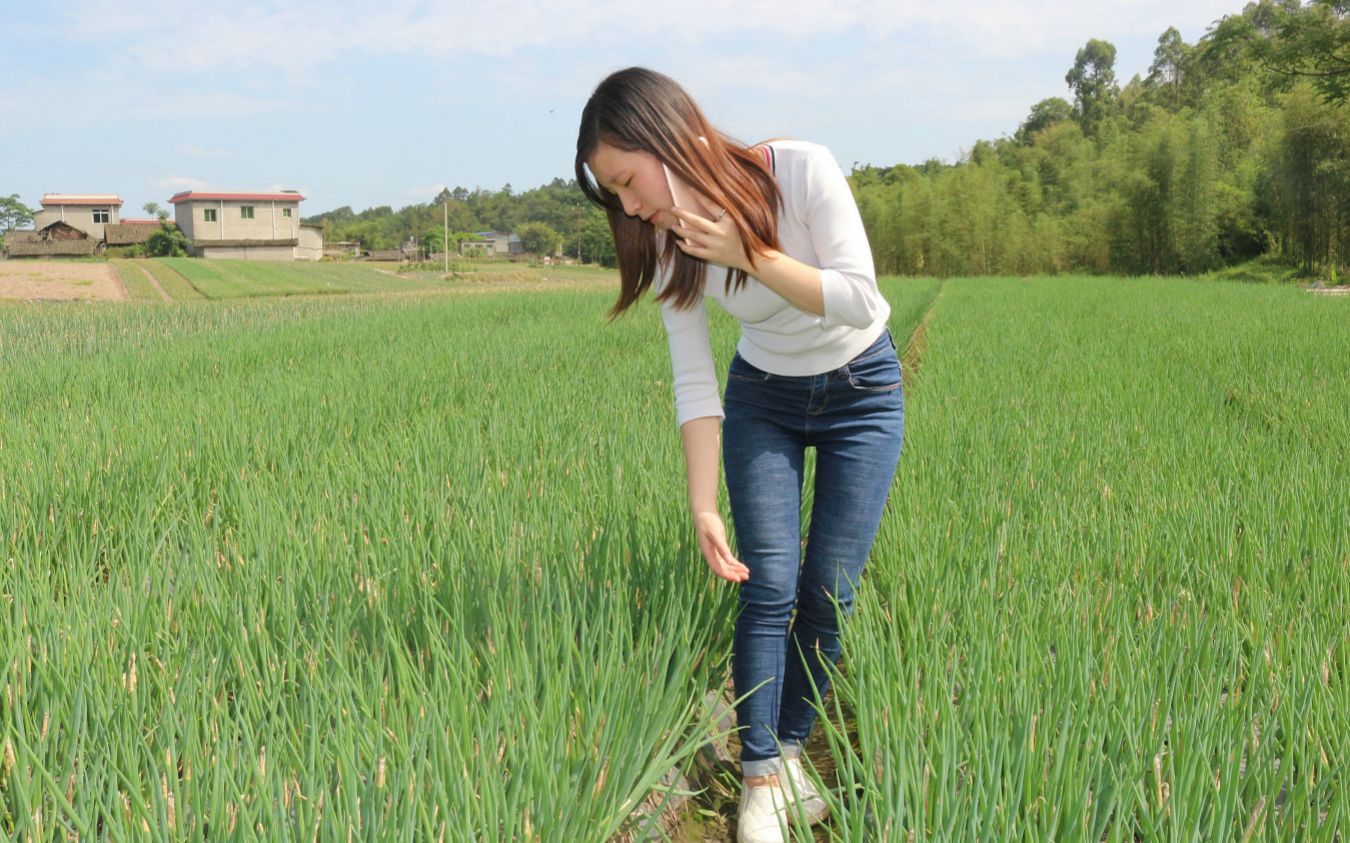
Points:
[(82, 199), (193, 196)]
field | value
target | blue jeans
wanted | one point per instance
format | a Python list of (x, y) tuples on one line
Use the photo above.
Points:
[(854, 418)]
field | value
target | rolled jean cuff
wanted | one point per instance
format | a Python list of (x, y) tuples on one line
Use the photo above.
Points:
[(762, 767)]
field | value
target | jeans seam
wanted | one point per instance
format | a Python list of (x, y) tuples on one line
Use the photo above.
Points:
[(890, 346), (777, 417), (874, 390)]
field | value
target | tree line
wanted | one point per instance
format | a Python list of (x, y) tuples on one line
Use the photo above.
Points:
[(1232, 148), (1229, 149), (554, 217)]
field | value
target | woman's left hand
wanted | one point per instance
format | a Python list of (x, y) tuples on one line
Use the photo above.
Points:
[(715, 241)]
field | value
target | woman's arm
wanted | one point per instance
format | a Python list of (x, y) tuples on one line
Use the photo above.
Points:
[(843, 291), (798, 283), (702, 464), (716, 241)]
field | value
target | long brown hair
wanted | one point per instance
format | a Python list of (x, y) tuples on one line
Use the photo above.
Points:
[(640, 110)]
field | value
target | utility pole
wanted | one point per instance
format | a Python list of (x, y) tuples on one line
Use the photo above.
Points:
[(445, 231)]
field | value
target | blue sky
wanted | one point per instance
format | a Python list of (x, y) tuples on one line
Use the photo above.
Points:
[(367, 103)]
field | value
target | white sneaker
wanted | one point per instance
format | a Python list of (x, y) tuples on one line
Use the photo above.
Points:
[(763, 814), (801, 792)]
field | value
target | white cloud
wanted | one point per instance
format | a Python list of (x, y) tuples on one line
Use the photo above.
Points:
[(1024, 27), (297, 36), (84, 99)]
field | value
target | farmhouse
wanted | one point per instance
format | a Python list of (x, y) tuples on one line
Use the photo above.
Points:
[(493, 243), (87, 212), (247, 225), (129, 232), (69, 225), (54, 240)]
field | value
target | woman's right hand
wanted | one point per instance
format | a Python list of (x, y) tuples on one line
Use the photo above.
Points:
[(712, 542)]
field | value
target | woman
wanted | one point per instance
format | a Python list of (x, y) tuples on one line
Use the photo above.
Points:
[(782, 248)]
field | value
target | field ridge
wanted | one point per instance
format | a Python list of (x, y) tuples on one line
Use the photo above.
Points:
[(918, 340), (154, 282)]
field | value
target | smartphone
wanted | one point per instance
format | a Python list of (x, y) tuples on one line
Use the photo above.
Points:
[(685, 197)]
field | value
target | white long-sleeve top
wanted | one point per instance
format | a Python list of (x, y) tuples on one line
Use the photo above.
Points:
[(818, 225)]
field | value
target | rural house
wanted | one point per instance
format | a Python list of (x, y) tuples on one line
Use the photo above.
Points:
[(54, 240), (69, 225), (247, 225), (87, 212), (493, 244), (129, 232)]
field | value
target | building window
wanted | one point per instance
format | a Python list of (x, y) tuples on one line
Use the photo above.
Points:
[(209, 214), (100, 216), (246, 212), (285, 212)]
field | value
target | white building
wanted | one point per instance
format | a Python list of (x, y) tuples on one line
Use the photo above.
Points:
[(247, 225)]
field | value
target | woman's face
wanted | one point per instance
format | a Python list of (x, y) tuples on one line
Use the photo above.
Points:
[(639, 181)]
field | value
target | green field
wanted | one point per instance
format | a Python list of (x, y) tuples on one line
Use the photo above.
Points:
[(138, 286), (403, 567), (221, 279)]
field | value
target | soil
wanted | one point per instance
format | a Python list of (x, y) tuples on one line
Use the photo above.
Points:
[(710, 816), (60, 281)]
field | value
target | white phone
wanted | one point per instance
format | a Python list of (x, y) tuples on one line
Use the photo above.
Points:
[(685, 197)]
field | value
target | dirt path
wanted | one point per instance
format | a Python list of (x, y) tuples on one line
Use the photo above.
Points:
[(154, 282), (121, 285)]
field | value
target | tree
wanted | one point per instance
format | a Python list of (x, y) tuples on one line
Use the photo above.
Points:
[(597, 241), (539, 238), (1309, 178), (168, 242), (153, 209), (13, 213), (434, 241), (1167, 73), (1093, 80), (1311, 42), (1194, 203), (1044, 114)]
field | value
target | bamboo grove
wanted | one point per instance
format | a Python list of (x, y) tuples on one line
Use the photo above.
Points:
[(1225, 152)]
